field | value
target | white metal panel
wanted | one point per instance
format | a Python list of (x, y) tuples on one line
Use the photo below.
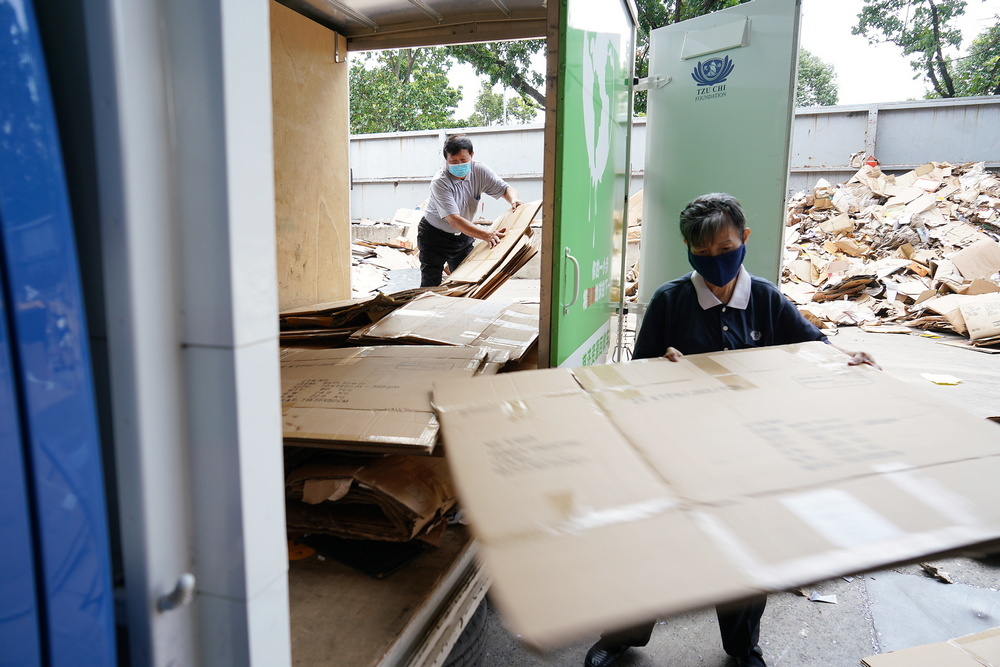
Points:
[(184, 135), (139, 248), (722, 124)]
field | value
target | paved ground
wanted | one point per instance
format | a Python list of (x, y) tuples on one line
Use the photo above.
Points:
[(875, 612)]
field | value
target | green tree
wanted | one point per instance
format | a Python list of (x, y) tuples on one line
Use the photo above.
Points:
[(508, 63), (922, 29), (493, 109), (816, 85), (978, 73), (401, 90)]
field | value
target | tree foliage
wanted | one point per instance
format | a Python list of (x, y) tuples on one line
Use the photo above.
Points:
[(508, 63), (493, 109), (401, 90), (816, 84), (978, 73), (923, 29)]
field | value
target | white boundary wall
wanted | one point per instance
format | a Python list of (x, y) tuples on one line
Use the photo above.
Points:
[(391, 171)]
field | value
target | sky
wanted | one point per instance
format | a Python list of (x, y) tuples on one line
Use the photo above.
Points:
[(865, 73)]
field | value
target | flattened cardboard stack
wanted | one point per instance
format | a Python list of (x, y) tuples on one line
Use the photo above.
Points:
[(486, 268), (333, 322), (605, 496), (911, 250), (392, 498), (368, 399), (505, 327), (361, 401)]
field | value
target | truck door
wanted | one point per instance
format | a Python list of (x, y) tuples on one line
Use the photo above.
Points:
[(721, 123), (56, 608), (586, 170)]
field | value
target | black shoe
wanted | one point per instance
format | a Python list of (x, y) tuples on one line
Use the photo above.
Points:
[(603, 655), (755, 659)]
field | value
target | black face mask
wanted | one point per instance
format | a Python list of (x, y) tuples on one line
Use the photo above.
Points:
[(720, 269)]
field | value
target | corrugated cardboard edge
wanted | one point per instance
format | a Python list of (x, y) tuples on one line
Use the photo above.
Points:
[(981, 649)]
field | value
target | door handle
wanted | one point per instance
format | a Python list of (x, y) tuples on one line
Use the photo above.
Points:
[(181, 596), (576, 282)]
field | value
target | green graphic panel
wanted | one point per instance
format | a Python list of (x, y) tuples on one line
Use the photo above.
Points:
[(594, 109)]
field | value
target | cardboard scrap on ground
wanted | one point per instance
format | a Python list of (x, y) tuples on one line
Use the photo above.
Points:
[(979, 260), (981, 649), (390, 498), (370, 271), (606, 496), (368, 399), (509, 327)]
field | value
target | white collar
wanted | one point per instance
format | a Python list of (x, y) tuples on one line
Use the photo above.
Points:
[(741, 295)]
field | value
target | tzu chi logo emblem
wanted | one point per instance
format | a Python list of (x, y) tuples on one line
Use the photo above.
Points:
[(710, 75)]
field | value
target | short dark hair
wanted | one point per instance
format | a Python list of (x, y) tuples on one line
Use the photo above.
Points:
[(455, 144), (706, 216)]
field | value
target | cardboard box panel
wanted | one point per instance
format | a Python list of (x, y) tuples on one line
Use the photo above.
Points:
[(368, 399), (774, 468), (978, 650)]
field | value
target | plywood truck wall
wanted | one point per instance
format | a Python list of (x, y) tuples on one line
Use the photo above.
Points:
[(311, 174)]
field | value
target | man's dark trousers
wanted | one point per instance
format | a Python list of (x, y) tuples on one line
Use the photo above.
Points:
[(738, 624), (437, 247)]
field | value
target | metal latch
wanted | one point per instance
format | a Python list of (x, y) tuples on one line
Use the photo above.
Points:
[(650, 82)]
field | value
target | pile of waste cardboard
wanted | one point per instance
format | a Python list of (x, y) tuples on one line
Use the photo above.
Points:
[(889, 253)]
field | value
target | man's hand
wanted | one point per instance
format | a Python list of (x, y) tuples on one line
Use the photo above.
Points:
[(493, 238), (514, 204), (673, 354)]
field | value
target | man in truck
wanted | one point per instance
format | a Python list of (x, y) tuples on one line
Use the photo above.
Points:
[(718, 306), (446, 231)]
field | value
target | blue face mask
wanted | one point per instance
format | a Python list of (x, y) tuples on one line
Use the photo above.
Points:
[(720, 269), (460, 170)]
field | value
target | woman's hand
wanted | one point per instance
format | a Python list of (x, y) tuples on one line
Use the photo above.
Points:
[(862, 359), (673, 354)]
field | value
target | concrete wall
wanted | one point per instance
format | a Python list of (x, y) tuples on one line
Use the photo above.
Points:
[(391, 171)]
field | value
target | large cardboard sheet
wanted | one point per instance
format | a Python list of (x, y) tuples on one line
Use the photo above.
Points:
[(978, 650), (608, 495), (368, 399), (483, 259)]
